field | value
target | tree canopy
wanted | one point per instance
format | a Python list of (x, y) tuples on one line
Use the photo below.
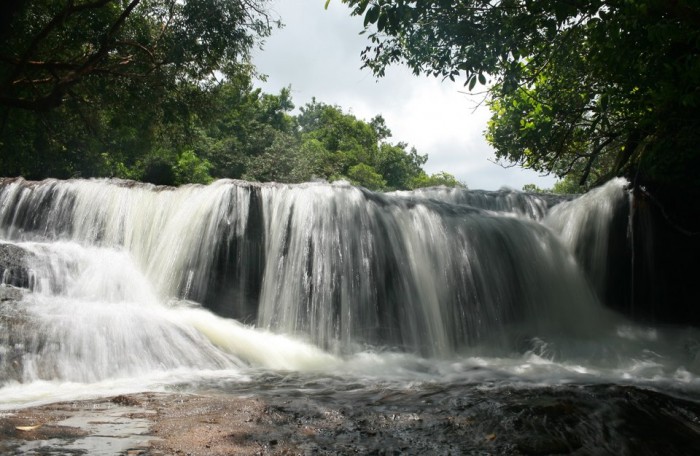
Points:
[(162, 91), (86, 85), (589, 89), (50, 48)]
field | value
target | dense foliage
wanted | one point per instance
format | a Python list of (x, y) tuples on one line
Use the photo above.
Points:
[(86, 85), (51, 50), (588, 89), (161, 91)]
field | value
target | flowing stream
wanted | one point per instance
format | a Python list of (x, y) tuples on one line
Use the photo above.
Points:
[(249, 288)]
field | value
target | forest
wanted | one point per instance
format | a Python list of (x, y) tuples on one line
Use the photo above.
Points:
[(163, 92)]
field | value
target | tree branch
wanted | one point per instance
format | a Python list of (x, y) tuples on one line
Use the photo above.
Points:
[(57, 20)]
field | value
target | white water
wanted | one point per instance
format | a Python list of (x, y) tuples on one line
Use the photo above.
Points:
[(351, 285)]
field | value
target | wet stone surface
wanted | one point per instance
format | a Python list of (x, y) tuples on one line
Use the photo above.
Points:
[(105, 427), (431, 419)]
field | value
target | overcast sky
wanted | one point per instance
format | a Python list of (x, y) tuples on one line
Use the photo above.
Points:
[(318, 54)]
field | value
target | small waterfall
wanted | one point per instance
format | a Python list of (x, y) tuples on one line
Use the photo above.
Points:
[(173, 235), (594, 229)]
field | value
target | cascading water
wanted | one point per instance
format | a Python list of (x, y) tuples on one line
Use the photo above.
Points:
[(346, 266), (584, 226), (130, 281)]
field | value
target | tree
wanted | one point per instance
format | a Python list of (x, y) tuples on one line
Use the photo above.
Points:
[(590, 88), (107, 87), (241, 123), (282, 161), (399, 167), (192, 169), (51, 47), (364, 175), (346, 140), (532, 188), (340, 146), (378, 124), (435, 180)]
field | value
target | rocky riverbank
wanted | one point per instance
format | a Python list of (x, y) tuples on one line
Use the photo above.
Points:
[(603, 419)]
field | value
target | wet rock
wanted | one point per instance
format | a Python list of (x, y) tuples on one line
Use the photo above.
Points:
[(95, 427), (14, 330), (574, 420), (10, 293), (14, 267), (126, 400)]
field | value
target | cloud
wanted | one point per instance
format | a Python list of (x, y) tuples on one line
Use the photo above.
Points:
[(318, 54)]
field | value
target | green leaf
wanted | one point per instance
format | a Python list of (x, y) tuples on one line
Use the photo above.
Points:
[(482, 79), (327, 2), (472, 82), (382, 21), (372, 15), (361, 7)]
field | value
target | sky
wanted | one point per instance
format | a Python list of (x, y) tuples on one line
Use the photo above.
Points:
[(317, 53)]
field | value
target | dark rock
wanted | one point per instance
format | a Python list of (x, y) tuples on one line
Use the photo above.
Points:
[(14, 267), (14, 328), (125, 400), (653, 259), (10, 293), (14, 282)]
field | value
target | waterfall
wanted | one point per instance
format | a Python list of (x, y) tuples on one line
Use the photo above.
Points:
[(123, 278), (345, 266), (585, 226)]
